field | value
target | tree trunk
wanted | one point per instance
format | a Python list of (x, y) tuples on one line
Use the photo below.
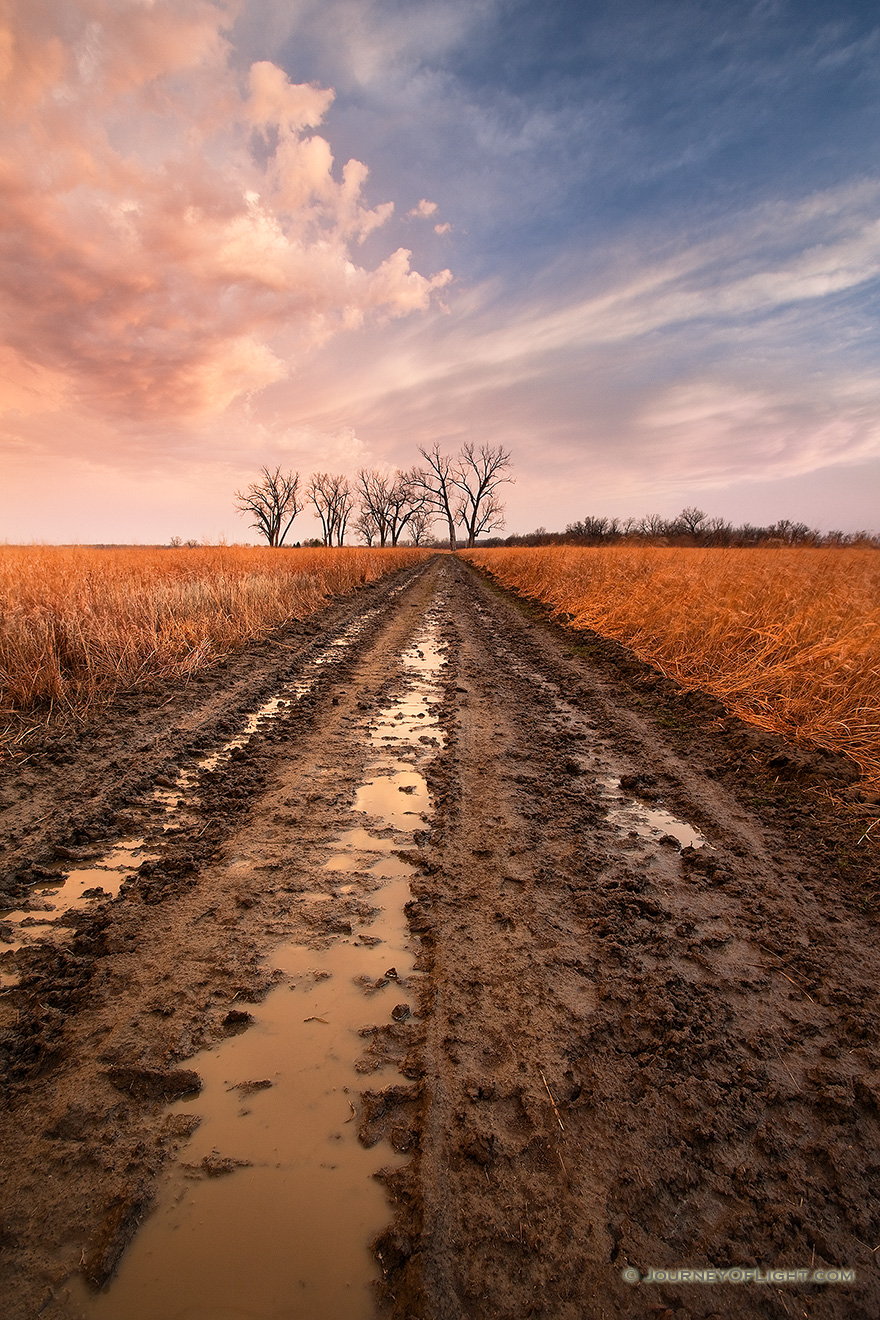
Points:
[(452, 542)]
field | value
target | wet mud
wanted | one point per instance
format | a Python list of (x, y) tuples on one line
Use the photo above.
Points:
[(291, 1233), (435, 962)]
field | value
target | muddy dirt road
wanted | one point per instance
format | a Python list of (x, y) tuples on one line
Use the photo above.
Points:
[(584, 970)]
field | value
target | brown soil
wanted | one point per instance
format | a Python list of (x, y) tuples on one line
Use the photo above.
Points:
[(625, 1052)]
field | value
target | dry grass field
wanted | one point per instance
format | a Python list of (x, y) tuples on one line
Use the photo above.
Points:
[(78, 623), (788, 639)]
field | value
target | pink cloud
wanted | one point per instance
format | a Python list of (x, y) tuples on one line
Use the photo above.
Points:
[(424, 208), (155, 257), (274, 101)]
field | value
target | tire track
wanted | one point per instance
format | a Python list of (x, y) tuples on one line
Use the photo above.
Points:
[(638, 1054)]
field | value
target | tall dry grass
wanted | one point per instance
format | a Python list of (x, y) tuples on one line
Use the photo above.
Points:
[(787, 639), (78, 624)]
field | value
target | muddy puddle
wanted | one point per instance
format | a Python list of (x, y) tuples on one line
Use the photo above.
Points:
[(272, 1207), (101, 878), (74, 891), (634, 819)]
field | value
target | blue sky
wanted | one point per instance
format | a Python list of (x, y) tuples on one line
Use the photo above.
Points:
[(644, 249)]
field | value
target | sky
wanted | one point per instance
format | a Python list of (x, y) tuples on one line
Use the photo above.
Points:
[(636, 242)]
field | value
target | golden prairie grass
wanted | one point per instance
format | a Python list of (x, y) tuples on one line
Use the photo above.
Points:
[(78, 624), (787, 639)]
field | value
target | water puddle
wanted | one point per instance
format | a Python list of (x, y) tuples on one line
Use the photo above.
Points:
[(273, 1208), (627, 815), (654, 823), (271, 1211)]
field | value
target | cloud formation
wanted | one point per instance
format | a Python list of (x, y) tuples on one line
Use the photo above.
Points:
[(664, 229), (175, 231)]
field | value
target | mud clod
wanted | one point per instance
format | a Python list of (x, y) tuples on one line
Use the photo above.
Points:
[(120, 1221), (248, 1088), (155, 1084), (215, 1166), (237, 1020)]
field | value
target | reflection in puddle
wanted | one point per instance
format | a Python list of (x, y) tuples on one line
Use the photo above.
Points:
[(286, 1234)]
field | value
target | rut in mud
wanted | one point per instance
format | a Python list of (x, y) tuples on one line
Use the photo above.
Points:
[(604, 988)]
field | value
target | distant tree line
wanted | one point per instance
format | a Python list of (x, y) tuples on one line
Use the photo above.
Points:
[(691, 527), (384, 508)]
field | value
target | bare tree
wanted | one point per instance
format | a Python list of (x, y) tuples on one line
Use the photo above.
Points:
[(333, 500), (489, 518), (690, 519), (717, 531), (365, 527), (388, 502), (320, 495), (344, 506), (273, 502), (440, 487), (791, 533), (419, 524), (592, 529), (653, 524), (406, 500), (373, 490), (480, 473)]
